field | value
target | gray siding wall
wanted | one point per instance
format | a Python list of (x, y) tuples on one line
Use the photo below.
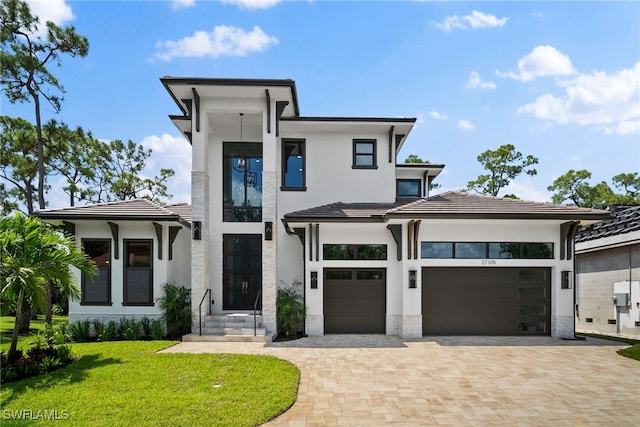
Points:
[(596, 273)]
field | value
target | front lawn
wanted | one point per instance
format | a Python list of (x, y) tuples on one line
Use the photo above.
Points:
[(6, 330), (126, 383), (632, 352)]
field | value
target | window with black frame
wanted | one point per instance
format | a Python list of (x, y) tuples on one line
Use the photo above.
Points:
[(364, 154), (293, 165)]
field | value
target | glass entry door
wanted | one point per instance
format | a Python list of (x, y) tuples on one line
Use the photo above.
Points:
[(242, 271)]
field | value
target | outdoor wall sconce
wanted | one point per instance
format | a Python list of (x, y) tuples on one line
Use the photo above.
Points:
[(314, 280), (268, 230), (566, 280), (412, 279), (196, 230)]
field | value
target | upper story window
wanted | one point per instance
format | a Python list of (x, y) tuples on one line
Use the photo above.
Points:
[(408, 188), (293, 165), (364, 154), (242, 182)]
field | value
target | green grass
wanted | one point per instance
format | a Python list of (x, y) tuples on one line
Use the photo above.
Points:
[(632, 352), (126, 383), (6, 329)]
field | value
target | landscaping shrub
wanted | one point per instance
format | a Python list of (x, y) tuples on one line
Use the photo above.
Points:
[(176, 309), (80, 330), (40, 358), (157, 329), (129, 328), (290, 310), (98, 328), (145, 323)]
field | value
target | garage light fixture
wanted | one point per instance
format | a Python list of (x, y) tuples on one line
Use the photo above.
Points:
[(412, 279), (314, 280)]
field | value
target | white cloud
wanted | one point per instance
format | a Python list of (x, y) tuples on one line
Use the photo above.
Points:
[(482, 20), (172, 152), (465, 125), (182, 4), (470, 22), (438, 115), (56, 11), (525, 189), (475, 82), (543, 61), (252, 4), (222, 41), (608, 101)]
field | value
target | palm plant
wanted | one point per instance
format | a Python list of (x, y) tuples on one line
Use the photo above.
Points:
[(34, 256), (176, 309)]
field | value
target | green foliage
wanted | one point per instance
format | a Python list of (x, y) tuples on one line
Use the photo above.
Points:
[(157, 329), (35, 258), (290, 309), (574, 187), (176, 309), (632, 352), (130, 328), (504, 165), (105, 332), (145, 324), (128, 379), (80, 330)]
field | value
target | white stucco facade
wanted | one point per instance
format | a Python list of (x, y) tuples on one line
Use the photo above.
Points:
[(219, 113)]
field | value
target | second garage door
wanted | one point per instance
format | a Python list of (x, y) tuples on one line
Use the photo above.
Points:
[(354, 301), (486, 301)]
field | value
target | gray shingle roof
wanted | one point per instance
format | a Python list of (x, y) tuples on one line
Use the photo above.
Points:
[(624, 221), (448, 205), (129, 210)]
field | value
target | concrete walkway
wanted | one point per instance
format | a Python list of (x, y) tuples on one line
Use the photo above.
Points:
[(354, 380)]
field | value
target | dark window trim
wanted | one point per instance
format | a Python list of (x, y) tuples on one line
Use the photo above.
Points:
[(83, 276), (125, 244), (419, 181), (374, 155), (303, 152)]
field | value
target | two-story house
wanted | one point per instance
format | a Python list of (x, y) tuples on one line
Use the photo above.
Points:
[(279, 197)]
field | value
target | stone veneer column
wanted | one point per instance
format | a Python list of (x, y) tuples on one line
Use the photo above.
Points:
[(269, 253), (562, 327), (199, 248)]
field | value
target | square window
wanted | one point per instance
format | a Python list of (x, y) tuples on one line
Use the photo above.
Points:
[(408, 188), (364, 153)]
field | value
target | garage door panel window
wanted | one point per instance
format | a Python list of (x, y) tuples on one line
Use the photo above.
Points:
[(532, 292), (487, 250), (532, 309)]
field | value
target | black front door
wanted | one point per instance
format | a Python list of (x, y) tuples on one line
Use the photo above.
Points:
[(242, 271)]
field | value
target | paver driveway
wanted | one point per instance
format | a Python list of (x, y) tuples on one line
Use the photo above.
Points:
[(380, 380)]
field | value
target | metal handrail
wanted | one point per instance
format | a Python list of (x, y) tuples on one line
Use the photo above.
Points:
[(207, 292), (255, 307)]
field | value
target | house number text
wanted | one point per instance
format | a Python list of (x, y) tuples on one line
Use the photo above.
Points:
[(488, 262)]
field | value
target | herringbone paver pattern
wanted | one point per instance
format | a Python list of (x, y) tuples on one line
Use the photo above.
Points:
[(351, 380)]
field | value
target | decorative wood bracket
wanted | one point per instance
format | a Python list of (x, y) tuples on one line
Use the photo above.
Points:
[(196, 102), (266, 91), (280, 106), (116, 244), (158, 228), (173, 233), (396, 232), (568, 232)]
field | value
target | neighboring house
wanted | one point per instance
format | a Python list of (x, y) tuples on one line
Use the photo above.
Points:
[(608, 275), (138, 247), (278, 197)]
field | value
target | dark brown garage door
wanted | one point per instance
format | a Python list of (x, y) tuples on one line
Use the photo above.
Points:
[(354, 301), (486, 301)]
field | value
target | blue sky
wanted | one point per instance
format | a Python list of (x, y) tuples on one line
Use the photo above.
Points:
[(559, 80)]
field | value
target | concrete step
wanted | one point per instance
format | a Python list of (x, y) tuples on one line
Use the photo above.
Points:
[(232, 331), (225, 338)]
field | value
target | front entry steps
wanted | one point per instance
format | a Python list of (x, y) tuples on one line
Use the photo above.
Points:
[(234, 327)]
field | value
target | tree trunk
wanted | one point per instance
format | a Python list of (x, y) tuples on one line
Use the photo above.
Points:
[(14, 337), (49, 305), (41, 201), (23, 316)]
